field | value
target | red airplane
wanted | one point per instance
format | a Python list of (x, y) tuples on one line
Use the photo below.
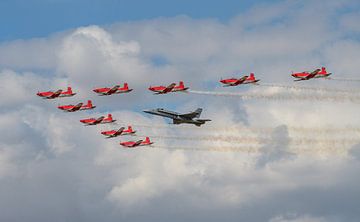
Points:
[(101, 119), (79, 106), (120, 132), (170, 88), (242, 80), (317, 73), (114, 90), (132, 144), (56, 94)]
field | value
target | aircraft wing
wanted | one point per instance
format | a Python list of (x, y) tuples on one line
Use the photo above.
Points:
[(55, 94), (120, 131), (241, 80), (76, 107), (192, 115), (137, 143), (169, 88)]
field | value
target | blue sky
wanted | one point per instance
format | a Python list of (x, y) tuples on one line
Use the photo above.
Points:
[(37, 18)]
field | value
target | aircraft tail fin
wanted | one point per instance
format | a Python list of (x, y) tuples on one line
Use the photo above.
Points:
[(126, 86), (69, 90), (147, 140), (130, 129), (323, 70), (89, 103), (198, 112), (181, 84)]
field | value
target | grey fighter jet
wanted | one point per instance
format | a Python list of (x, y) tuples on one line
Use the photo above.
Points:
[(178, 118)]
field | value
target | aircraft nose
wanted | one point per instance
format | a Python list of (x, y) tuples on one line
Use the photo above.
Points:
[(147, 111)]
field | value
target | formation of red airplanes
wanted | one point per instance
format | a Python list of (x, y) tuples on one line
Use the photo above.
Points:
[(117, 89)]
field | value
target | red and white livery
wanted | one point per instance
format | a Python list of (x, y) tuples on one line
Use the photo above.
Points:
[(317, 73), (242, 80), (100, 120), (56, 94), (114, 90), (170, 88), (120, 132), (133, 144), (77, 107)]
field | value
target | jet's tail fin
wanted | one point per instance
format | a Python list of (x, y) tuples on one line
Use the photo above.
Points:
[(252, 76), (69, 90), (147, 140), (89, 104), (198, 112), (109, 117), (323, 70), (126, 86), (130, 129)]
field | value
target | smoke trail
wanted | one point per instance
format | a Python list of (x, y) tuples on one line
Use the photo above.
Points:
[(281, 97), (244, 149), (345, 79), (308, 88), (237, 140), (247, 129), (256, 150)]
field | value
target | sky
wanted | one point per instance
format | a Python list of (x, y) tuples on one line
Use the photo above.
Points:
[(280, 151), (39, 18)]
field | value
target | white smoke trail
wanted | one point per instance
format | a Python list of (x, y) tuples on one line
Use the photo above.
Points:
[(257, 150), (308, 88), (237, 140), (247, 129), (282, 97), (345, 79)]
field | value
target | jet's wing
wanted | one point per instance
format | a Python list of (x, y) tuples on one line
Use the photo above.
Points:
[(195, 114), (169, 88), (113, 90), (241, 80), (98, 120), (76, 107), (55, 94), (120, 131), (137, 143)]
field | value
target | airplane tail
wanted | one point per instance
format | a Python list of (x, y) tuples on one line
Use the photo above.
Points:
[(69, 90), (181, 84), (89, 104), (130, 129), (252, 76), (198, 112), (323, 70), (147, 140), (109, 117), (126, 86)]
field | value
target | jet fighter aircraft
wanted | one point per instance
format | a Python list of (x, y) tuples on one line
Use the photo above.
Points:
[(56, 94), (79, 106), (178, 118), (242, 80), (114, 90), (170, 88), (132, 144), (120, 132), (317, 73), (100, 120)]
